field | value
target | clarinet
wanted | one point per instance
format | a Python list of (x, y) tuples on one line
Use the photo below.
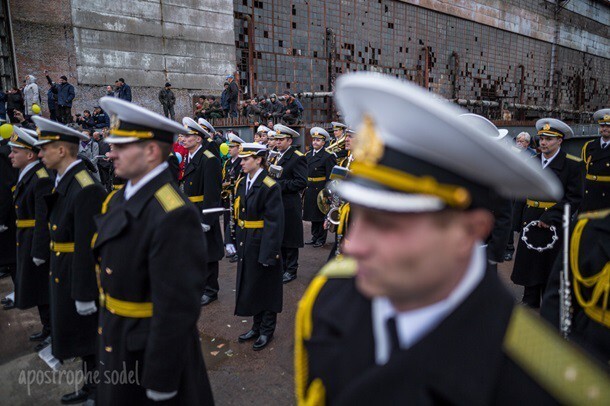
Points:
[(231, 214), (565, 296)]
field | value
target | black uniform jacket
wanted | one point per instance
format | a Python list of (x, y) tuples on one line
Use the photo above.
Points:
[(8, 179), (597, 182), (319, 167), (533, 267), (202, 183), (589, 258), (502, 230), (151, 255), (231, 170), (31, 281), (72, 205), (484, 352), (259, 287), (292, 182)]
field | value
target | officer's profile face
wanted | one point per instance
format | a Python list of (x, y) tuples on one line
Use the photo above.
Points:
[(51, 155), (549, 145), (604, 131), (317, 143), (337, 132), (233, 150), (130, 160), (283, 143), (348, 142), (414, 259), (21, 157), (251, 164), (191, 141)]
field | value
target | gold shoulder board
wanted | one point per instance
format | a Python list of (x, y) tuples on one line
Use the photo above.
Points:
[(42, 173), (208, 154), (268, 181), (84, 178), (555, 364), (342, 267), (573, 158), (169, 198), (299, 153)]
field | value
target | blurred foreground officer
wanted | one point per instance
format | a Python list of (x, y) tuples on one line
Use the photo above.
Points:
[(292, 181), (202, 183), (77, 197), (533, 266), (596, 155), (320, 163), (32, 276), (259, 219), (149, 291), (426, 324)]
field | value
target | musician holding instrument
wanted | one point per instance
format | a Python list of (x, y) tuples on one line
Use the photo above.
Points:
[(231, 174), (596, 156), (320, 163), (540, 241), (259, 216)]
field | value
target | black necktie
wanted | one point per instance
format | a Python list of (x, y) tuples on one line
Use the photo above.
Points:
[(248, 184), (187, 160), (393, 335), (544, 162), (605, 144)]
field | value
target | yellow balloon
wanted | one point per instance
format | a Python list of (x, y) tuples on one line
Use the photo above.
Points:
[(35, 109), (6, 130), (224, 149)]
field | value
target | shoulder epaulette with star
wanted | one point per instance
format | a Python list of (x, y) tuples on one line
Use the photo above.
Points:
[(168, 198), (299, 153), (84, 179), (208, 154), (341, 267), (269, 182), (42, 173), (573, 157)]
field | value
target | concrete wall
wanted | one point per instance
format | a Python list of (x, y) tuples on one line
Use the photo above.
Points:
[(189, 43)]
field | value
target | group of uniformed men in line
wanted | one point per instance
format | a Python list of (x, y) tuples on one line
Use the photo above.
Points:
[(409, 309)]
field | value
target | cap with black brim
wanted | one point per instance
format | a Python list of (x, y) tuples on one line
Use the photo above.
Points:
[(282, 131), (50, 131), (194, 129), (24, 139), (551, 127), (248, 149)]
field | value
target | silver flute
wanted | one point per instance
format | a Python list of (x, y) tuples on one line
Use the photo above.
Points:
[(565, 295)]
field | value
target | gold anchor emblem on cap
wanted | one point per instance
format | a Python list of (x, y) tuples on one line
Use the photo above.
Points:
[(546, 127), (606, 117), (115, 122), (368, 147)]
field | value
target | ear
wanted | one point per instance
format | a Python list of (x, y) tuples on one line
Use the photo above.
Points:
[(480, 223)]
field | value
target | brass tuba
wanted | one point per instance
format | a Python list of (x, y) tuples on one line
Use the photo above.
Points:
[(337, 145)]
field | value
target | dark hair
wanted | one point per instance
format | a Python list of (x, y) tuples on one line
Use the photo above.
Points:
[(121, 80), (72, 148), (86, 111), (212, 98)]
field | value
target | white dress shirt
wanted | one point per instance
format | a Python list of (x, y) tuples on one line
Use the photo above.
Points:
[(131, 189), (413, 325), (604, 143), (250, 182), (26, 170), (72, 165), (193, 154), (549, 160)]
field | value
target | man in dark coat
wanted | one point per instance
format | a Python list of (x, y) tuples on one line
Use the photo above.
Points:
[(32, 276), (202, 183), (100, 119), (76, 199), (320, 164), (532, 267), (596, 156), (167, 100), (259, 219), (293, 181), (51, 97), (124, 91), (232, 96), (65, 96), (150, 295), (231, 174), (588, 259), (292, 110), (8, 180), (409, 314)]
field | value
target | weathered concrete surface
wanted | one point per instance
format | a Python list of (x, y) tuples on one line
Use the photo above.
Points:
[(239, 375)]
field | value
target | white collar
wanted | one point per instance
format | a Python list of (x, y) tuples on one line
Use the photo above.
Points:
[(72, 165), (234, 159), (413, 325), (602, 142), (548, 160), (193, 154), (254, 177), (131, 190), (26, 169)]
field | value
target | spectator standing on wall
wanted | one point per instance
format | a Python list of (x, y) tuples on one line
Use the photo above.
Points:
[(224, 100), (167, 100), (51, 97), (14, 101), (293, 110), (65, 96), (2, 105), (233, 95), (124, 92), (31, 94)]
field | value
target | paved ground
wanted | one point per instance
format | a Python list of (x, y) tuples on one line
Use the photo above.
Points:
[(239, 376)]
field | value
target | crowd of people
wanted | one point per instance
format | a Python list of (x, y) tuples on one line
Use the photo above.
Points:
[(409, 307)]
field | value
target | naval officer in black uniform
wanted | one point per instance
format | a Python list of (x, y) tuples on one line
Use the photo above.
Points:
[(532, 267), (320, 164), (596, 157), (76, 199), (293, 181), (151, 267), (409, 315), (34, 182), (202, 183)]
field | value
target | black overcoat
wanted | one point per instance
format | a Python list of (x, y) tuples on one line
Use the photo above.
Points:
[(319, 166), (292, 182)]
